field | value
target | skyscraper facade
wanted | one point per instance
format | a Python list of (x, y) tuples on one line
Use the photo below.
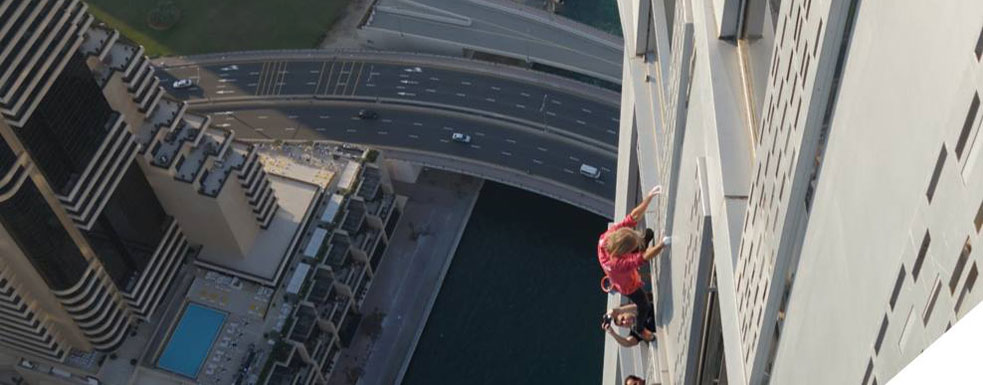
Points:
[(823, 196), (99, 174)]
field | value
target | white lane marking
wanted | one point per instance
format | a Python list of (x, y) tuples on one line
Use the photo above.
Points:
[(510, 140), (445, 141), (496, 88), (574, 158), (387, 120), (550, 113), (524, 94), (251, 85), (605, 169), (350, 130), (291, 116), (520, 106), (475, 146), (408, 82), (280, 83), (434, 79), (537, 161), (543, 149), (599, 181), (612, 132), (479, 133), (414, 136), (400, 88), (430, 90), (465, 83), (324, 116), (311, 83), (290, 129), (490, 100), (585, 110), (418, 124), (401, 93), (448, 128), (375, 73), (223, 125), (506, 153), (370, 85), (616, 119), (354, 118), (554, 101), (314, 71), (320, 129), (223, 92), (226, 80), (258, 129), (254, 73), (262, 117), (461, 95), (220, 86), (567, 171), (383, 132), (222, 75), (404, 75), (581, 122)]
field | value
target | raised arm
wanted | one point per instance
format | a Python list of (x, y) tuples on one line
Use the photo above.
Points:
[(638, 211), (652, 251), (626, 342)]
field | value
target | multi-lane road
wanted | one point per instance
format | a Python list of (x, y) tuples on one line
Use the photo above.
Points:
[(528, 127)]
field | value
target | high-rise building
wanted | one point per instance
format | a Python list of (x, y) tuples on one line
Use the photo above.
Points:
[(823, 194), (99, 174)]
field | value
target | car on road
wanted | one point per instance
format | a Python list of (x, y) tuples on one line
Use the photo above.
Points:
[(230, 68), (183, 83), (589, 171), (460, 137), (366, 114)]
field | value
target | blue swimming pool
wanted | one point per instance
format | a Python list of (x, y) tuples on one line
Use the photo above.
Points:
[(191, 340)]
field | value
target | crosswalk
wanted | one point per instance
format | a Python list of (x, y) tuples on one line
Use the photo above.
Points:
[(271, 78)]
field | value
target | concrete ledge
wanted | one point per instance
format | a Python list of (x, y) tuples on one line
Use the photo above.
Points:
[(425, 16), (563, 23)]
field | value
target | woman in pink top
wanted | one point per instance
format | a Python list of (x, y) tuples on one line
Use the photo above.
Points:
[(622, 250)]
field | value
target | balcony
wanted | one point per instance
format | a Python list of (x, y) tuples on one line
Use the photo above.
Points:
[(368, 189), (195, 159)]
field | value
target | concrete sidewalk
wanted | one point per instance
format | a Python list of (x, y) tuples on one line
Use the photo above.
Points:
[(409, 278)]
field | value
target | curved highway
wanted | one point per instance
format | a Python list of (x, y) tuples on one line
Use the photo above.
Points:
[(529, 127)]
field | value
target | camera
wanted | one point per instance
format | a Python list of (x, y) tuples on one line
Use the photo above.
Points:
[(605, 320)]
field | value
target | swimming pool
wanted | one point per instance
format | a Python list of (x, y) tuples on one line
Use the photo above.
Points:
[(191, 340)]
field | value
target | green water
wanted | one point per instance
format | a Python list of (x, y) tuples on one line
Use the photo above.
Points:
[(600, 14), (520, 303)]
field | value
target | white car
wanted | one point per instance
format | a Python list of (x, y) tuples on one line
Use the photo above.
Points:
[(461, 138), (590, 171), (183, 83), (230, 68)]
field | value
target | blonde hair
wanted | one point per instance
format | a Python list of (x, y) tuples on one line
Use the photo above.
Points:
[(622, 241)]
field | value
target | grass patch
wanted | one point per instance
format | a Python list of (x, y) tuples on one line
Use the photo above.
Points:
[(223, 25)]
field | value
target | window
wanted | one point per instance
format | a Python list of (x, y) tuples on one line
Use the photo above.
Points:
[(957, 272), (926, 240), (933, 183), (930, 306), (968, 125), (968, 287), (897, 287), (979, 45)]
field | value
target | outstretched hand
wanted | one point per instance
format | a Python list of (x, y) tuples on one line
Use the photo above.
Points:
[(654, 191)]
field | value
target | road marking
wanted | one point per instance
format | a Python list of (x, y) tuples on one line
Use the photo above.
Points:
[(612, 132), (496, 88), (574, 158), (227, 80), (414, 136), (404, 75), (408, 82), (291, 116), (383, 133), (418, 124), (387, 120), (567, 171), (290, 128), (448, 128), (585, 110), (312, 83), (223, 92), (506, 153), (465, 83), (258, 129), (461, 95), (324, 116), (510, 140), (314, 71), (375, 73), (434, 79), (581, 122), (254, 73), (431, 90), (479, 133), (490, 100), (616, 119), (223, 75), (400, 88), (355, 118), (370, 85), (262, 117), (524, 94), (606, 169), (350, 130), (537, 161), (401, 93), (223, 125), (251, 85), (320, 129), (550, 113), (554, 101), (445, 141), (520, 106), (543, 149), (357, 78), (475, 146), (220, 86), (599, 181)]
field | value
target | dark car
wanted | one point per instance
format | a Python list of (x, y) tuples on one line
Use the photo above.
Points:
[(367, 114)]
